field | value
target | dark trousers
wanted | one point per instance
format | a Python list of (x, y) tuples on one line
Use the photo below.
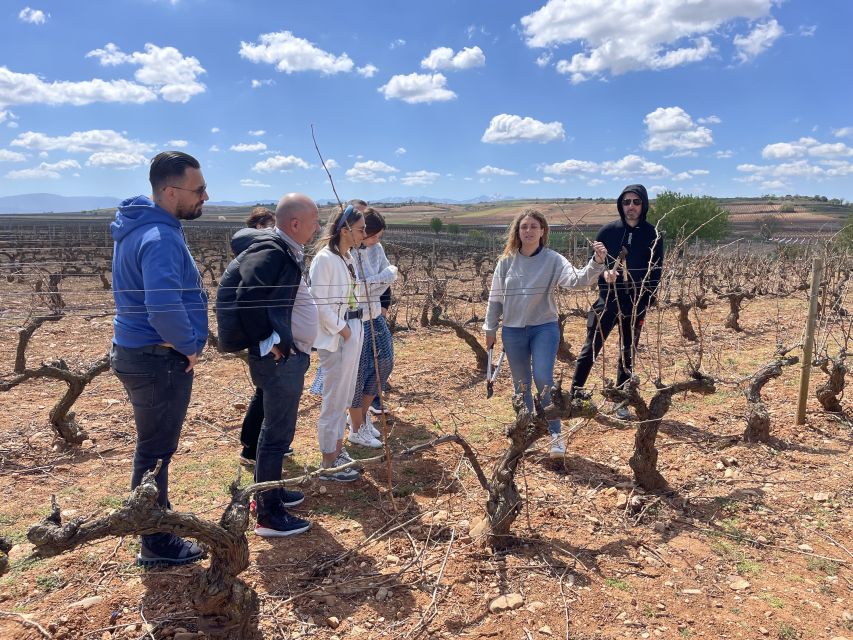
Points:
[(159, 389), (599, 323), (282, 382), (252, 425)]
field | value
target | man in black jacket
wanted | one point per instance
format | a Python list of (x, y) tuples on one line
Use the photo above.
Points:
[(260, 224), (626, 288), (263, 304)]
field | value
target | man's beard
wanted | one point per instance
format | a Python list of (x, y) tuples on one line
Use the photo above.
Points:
[(190, 215)]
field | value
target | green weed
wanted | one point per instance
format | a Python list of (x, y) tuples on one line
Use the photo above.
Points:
[(616, 583)]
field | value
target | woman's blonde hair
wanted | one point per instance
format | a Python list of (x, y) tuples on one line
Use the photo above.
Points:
[(331, 236), (513, 240)]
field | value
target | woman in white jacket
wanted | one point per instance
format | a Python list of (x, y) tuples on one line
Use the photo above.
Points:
[(339, 336)]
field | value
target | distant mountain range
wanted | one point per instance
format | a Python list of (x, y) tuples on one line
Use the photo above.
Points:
[(53, 203)]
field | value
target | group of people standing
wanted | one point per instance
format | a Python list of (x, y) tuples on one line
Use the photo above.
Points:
[(627, 261), (269, 304)]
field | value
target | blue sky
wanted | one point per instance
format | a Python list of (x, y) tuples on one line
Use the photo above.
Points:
[(444, 98)]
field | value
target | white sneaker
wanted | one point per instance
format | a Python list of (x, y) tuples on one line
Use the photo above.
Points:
[(364, 438), (371, 428), (558, 448)]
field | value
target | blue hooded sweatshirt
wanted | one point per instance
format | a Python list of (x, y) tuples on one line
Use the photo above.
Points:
[(157, 288)]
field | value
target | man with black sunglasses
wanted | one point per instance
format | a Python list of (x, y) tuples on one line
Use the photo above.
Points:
[(626, 288), (160, 326)]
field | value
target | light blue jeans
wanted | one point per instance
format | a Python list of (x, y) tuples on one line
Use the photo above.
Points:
[(531, 352)]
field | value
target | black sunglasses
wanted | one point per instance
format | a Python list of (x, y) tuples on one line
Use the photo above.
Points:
[(199, 192), (635, 201)]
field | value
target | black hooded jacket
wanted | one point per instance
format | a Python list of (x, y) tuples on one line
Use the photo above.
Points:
[(644, 257)]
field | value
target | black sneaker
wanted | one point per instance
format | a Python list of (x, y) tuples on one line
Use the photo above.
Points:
[(280, 524), (287, 452), (291, 498), (167, 549)]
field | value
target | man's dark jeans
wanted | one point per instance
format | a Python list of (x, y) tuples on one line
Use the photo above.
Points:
[(159, 389), (252, 422), (599, 323), (282, 382)]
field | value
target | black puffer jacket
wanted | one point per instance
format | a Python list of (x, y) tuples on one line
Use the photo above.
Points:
[(644, 246), (256, 295)]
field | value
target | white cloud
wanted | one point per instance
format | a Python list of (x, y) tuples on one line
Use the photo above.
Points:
[(27, 88), (164, 69), (798, 168), (331, 163), (633, 165), (33, 16), (544, 59), (44, 170), (291, 54), (529, 181), (280, 163), (552, 180), (509, 129), (758, 40), (399, 42), (843, 132), (673, 128), (806, 147), (641, 34), (116, 160), (367, 71), (709, 120), (214, 130), (370, 171), (570, 166), (417, 88), (400, 151), (594, 182), (413, 178), (257, 84), (808, 31), (244, 147), (489, 170), (249, 182), (257, 133), (443, 58), (214, 148), (773, 185), (90, 141), (725, 153), (177, 144), (11, 156), (689, 175)]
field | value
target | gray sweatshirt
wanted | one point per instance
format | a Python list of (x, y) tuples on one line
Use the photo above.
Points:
[(523, 288)]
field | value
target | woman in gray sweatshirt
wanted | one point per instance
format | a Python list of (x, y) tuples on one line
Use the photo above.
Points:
[(523, 292)]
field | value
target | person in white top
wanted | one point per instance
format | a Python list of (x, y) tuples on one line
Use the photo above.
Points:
[(523, 288), (374, 273), (340, 334)]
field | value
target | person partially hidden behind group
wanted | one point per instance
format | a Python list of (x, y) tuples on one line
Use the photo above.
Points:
[(523, 292), (339, 335)]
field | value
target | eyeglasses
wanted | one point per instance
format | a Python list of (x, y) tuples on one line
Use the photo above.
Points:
[(635, 201), (199, 192)]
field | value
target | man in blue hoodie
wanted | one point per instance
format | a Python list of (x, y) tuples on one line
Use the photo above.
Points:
[(160, 326), (625, 289)]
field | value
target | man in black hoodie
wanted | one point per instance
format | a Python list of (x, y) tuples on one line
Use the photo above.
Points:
[(626, 288)]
